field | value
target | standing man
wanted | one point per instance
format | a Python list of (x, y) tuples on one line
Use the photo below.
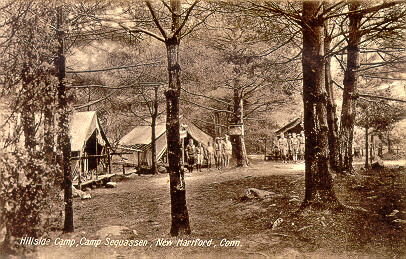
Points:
[(289, 140), (190, 155), (302, 145), (217, 153), (228, 151), (223, 146), (209, 155), (283, 146), (200, 156), (295, 147)]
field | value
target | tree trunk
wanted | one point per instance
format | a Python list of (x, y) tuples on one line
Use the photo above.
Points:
[(28, 114), (240, 151), (371, 150), (319, 191), (350, 89), (153, 133), (331, 107), (63, 136), (390, 150), (179, 212), (366, 147), (48, 147)]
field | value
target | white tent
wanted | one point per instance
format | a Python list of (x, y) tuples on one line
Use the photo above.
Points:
[(139, 140), (86, 135), (82, 126)]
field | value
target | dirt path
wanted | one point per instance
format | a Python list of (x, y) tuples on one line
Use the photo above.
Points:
[(216, 212), (258, 169)]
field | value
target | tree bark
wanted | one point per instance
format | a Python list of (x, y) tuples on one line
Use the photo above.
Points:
[(366, 146), (48, 147), (63, 136), (390, 149), (179, 212), (371, 150), (319, 191), (331, 107), (28, 114), (350, 94), (154, 116), (240, 151)]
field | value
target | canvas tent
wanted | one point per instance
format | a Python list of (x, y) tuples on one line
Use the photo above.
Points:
[(195, 133), (138, 141), (87, 140), (86, 136), (295, 126)]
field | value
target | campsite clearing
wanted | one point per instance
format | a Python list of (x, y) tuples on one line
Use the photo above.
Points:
[(220, 211)]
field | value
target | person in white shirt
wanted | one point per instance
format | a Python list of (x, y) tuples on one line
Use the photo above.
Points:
[(295, 143), (200, 156), (209, 154), (283, 146), (228, 151)]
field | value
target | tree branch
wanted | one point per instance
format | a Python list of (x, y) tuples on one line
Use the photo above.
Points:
[(204, 107), (185, 19), (211, 98), (155, 19), (148, 33), (77, 107), (112, 68), (372, 96)]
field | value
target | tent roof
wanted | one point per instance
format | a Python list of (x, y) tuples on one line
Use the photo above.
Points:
[(197, 133), (81, 127), (141, 135), (289, 126)]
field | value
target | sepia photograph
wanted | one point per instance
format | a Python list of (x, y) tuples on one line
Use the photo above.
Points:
[(202, 129)]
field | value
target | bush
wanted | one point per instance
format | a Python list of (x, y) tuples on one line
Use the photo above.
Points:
[(26, 185)]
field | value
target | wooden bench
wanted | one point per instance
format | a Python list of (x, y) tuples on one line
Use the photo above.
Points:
[(100, 180), (271, 157), (132, 165)]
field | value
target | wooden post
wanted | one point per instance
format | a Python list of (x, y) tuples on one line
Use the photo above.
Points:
[(265, 150), (138, 166), (80, 174)]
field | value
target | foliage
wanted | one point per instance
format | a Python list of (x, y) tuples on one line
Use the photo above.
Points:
[(26, 185)]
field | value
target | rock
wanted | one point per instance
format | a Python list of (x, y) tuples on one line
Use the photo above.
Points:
[(162, 169), (394, 212), (115, 231), (294, 199), (86, 196), (111, 185), (377, 165), (277, 223), (252, 193), (76, 192), (3, 234)]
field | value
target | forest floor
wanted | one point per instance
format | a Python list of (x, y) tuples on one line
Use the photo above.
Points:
[(220, 210)]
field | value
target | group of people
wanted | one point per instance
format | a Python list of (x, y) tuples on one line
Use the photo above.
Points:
[(291, 147), (217, 154)]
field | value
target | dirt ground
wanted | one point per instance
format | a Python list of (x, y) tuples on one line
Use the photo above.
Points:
[(220, 211)]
